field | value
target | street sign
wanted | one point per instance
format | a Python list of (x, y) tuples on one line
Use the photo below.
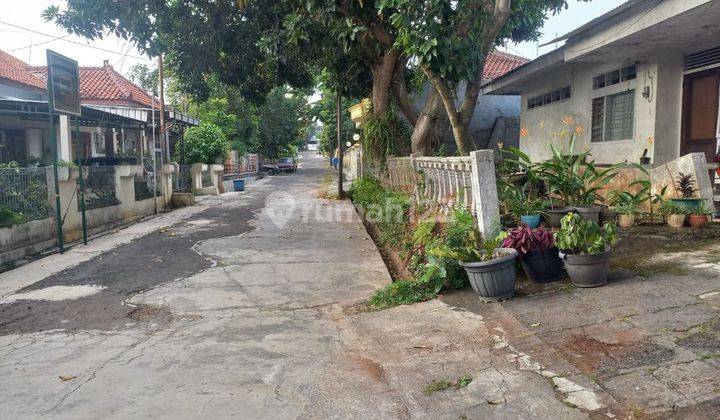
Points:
[(63, 84)]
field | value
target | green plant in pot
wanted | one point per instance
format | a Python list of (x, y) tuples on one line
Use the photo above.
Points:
[(538, 253), (700, 218), (525, 210), (685, 188), (673, 213), (576, 180), (490, 268), (585, 249)]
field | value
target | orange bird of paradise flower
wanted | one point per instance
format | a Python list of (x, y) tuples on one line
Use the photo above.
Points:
[(524, 132), (567, 120)]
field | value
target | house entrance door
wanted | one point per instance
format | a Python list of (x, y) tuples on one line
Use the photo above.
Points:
[(701, 96)]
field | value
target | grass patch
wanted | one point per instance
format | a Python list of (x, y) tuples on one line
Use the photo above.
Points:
[(401, 292), (443, 384)]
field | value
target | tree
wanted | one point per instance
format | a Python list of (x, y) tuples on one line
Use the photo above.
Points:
[(280, 123), (243, 45), (144, 77), (450, 41), (205, 143)]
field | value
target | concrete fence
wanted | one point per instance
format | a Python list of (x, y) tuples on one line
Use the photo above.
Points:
[(38, 235), (442, 182)]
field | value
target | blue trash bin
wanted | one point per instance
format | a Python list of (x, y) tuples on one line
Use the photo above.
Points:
[(239, 184)]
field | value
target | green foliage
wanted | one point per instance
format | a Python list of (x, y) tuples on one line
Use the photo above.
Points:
[(574, 177), (401, 292), (280, 123), (385, 135), (436, 386), (245, 47), (9, 218), (669, 207), (205, 143), (469, 246), (579, 236)]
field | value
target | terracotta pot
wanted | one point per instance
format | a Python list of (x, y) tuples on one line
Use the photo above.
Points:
[(626, 220), (676, 220), (697, 220), (717, 171)]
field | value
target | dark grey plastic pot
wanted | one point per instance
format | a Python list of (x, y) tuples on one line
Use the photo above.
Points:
[(543, 265), (607, 216), (493, 280), (587, 270), (555, 214), (591, 213)]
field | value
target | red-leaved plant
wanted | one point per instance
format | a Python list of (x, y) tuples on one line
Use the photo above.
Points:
[(523, 239)]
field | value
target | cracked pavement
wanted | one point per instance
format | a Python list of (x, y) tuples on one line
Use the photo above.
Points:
[(244, 307)]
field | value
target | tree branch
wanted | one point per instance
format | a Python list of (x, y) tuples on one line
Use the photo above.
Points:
[(400, 92)]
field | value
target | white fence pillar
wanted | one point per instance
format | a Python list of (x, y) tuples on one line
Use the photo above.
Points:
[(484, 190)]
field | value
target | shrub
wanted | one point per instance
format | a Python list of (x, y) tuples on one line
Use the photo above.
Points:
[(205, 143), (9, 218), (578, 236), (401, 292)]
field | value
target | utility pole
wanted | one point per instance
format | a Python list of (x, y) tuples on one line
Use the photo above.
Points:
[(163, 137), (338, 110)]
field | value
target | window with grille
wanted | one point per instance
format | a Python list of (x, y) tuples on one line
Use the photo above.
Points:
[(613, 117)]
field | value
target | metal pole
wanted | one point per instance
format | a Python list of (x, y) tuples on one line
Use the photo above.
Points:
[(338, 111), (153, 158), (81, 195), (53, 145), (163, 146)]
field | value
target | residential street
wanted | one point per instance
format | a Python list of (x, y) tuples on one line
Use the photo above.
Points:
[(245, 307)]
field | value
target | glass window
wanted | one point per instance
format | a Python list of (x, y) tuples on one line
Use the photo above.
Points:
[(613, 117)]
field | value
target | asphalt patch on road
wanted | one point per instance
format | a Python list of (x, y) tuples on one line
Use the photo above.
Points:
[(156, 258)]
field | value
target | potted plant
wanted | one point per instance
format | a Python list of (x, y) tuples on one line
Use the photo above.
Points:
[(525, 210), (626, 214), (538, 253), (585, 249), (685, 187), (490, 268), (673, 213), (698, 219), (576, 180)]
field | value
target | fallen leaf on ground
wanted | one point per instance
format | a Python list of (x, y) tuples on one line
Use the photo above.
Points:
[(537, 324), (67, 378)]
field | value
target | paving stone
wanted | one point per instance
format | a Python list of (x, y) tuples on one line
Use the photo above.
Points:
[(697, 381), (567, 312), (641, 391), (675, 319)]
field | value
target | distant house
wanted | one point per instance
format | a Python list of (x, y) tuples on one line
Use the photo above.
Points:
[(642, 79)]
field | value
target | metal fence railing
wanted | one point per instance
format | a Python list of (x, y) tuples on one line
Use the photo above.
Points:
[(207, 178), (25, 191), (182, 179), (99, 187), (145, 183)]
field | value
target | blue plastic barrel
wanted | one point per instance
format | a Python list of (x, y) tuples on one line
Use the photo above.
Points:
[(239, 184)]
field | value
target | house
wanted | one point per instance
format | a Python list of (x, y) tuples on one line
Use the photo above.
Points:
[(640, 80), (105, 89), (24, 131)]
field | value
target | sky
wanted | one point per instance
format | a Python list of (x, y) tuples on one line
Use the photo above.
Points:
[(30, 46)]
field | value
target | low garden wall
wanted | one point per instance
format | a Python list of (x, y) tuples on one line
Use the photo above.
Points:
[(111, 200)]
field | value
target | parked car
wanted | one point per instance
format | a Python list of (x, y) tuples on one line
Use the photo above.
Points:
[(284, 164)]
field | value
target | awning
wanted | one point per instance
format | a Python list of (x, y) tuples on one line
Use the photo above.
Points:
[(91, 117)]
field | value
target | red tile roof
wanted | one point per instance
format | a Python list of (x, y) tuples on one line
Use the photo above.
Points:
[(14, 69), (105, 86), (498, 63)]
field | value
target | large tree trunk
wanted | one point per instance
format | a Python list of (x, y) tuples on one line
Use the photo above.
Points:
[(427, 122), (382, 72), (459, 127)]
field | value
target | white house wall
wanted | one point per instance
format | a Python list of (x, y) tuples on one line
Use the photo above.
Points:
[(656, 127)]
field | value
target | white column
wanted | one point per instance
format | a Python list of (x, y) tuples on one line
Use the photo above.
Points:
[(64, 138), (485, 190), (34, 142)]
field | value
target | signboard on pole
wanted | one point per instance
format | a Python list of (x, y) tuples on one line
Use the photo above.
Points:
[(63, 84)]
